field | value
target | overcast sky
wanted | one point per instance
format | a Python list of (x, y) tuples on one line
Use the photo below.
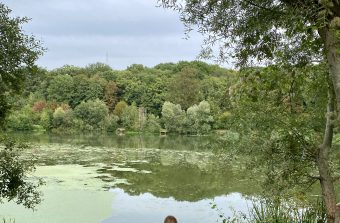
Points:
[(120, 32)]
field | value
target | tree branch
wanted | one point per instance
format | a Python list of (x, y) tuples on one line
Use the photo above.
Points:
[(250, 2), (314, 177)]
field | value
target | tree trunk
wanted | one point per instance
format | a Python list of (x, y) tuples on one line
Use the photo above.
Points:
[(326, 179)]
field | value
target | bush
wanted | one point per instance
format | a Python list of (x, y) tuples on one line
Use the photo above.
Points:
[(23, 119), (63, 119)]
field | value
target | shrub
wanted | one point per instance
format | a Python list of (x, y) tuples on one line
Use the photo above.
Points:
[(23, 119), (63, 119)]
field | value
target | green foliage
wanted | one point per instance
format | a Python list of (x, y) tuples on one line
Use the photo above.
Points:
[(75, 89), (268, 211), (67, 70), (173, 117), (96, 68), (87, 89), (136, 68), (152, 124), (93, 114), (61, 89), (279, 115), (18, 54), (46, 119), (130, 118), (63, 119), (120, 107), (215, 90), (145, 87), (131, 86), (223, 120), (113, 123), (185, 88), (261, 30), (199, 118), (22, 119), (15, 171)]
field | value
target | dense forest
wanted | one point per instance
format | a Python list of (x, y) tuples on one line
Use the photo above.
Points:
[(185, 98)]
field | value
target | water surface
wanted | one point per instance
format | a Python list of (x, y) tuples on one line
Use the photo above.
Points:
[(106, 178)]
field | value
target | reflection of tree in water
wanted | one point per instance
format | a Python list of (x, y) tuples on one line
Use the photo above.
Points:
[(185, 168), (127, 141), (186, 177)]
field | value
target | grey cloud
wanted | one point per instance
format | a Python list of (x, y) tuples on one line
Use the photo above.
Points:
[(99, 17), (79, 32), (147, 50)]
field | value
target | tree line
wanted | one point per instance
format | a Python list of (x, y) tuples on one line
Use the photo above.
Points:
[(184, 97)]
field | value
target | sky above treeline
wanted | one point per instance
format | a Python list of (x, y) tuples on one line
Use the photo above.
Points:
[(116, 32)]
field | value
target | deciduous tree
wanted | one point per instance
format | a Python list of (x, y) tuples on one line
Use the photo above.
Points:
[(18, 53), (284, 32)]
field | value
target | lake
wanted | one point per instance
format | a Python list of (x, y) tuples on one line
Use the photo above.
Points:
[(124, 179)]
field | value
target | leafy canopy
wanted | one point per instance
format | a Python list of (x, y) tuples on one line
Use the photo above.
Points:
[(259, 30), (18, 52)]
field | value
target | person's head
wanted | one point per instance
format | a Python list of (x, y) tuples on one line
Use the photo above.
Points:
[(170, 219)]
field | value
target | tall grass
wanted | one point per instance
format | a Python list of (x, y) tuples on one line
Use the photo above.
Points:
[(277, 212), (266, 211)]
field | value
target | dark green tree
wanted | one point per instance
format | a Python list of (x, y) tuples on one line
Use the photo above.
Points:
[(18, 55), (61, 89), (93, 114), (185, 88)]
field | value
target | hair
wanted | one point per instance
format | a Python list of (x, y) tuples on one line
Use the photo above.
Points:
[(170, 219)]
